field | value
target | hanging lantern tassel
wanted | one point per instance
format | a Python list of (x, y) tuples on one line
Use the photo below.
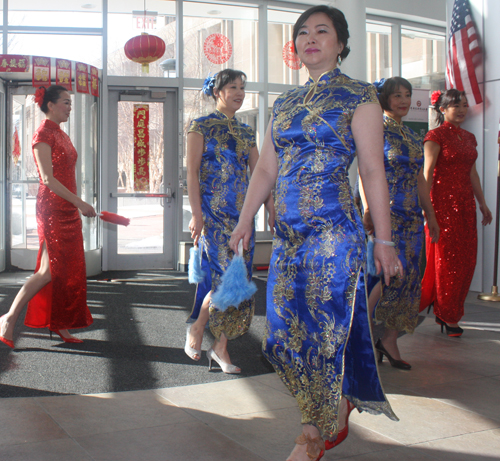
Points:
[(235, 286), (113, 218), (195, 272)]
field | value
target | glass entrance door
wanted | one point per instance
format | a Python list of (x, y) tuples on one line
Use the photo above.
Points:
[(141, 179)]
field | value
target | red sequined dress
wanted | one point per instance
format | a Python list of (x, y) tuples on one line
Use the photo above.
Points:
[(452, 260), (61, 304)]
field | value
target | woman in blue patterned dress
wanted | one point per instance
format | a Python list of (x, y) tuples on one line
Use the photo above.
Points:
[(398, 303), (318, 332), (220, 149)]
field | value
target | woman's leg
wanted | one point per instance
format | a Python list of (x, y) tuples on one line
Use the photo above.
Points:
[(309, 441), (390, 342), (198, 327), (31, 287)]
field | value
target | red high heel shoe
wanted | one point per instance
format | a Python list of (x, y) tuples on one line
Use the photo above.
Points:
[(6, 341), (66, 340), (342, 435)]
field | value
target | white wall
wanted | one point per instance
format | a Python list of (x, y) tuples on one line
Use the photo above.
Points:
[(483, 121)]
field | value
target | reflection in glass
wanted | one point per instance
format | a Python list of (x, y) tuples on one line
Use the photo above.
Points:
[(378, 51), (423, 59), (82, 48), (145, 232), (233, 23), (123, 24), (280, 33)]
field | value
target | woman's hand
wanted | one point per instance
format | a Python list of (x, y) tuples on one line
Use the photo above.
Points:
[(241, 231), (196, 226), (386, 259), (487, 216), (367, 222), (271, 219), (87, 210), (433, 227)]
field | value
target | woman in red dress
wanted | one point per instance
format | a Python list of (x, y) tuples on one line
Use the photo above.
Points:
[(57, 291), (450, 171)]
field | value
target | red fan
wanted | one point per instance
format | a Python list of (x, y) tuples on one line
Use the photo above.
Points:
[(113, 218)]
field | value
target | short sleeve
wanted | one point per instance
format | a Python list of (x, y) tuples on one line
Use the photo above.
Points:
[(369, 96), (433, 135), (195, 127), (44, 135)]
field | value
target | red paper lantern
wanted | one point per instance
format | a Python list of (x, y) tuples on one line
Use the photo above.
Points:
[(144, 49)]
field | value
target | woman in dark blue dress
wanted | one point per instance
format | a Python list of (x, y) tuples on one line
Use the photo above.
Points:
[(220, 150), (318, 332)]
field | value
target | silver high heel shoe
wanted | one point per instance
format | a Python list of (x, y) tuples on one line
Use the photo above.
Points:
[(191, 352), (228, 368)]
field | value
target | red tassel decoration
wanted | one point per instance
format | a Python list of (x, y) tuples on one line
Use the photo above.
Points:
[(114, 218)]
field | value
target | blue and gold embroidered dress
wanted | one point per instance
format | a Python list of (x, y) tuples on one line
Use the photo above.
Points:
[(318, 334), (223, 185), (399, 303)]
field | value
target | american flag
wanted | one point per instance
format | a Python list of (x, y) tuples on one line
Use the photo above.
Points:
[(463, 46)]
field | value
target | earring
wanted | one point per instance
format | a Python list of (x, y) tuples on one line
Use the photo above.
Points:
[(339, 60)]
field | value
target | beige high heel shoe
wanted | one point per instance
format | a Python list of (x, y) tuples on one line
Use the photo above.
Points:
[(190, 351), (228, 368)]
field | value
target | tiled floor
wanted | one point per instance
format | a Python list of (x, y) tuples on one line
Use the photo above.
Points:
[(448, 405)]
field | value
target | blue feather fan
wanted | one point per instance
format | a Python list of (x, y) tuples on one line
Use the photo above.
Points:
[(195, 273), (235, 287)]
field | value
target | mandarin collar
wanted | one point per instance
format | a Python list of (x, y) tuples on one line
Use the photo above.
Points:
[(223, 116), (324, 77), (52, 124), (451, 126), (390, 121)]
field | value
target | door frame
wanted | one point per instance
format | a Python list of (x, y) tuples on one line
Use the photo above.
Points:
[(168, 259)]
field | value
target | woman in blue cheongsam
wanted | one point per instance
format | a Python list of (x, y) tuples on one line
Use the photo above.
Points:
[(220, 149), (318, 331), (399, 302)]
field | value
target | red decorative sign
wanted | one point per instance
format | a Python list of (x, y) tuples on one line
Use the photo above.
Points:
[(217, 48), (41, 71), (16, 151), (63, 73), (94, 81), (141, 147), (289, 56), (82, 77), (14, 63)]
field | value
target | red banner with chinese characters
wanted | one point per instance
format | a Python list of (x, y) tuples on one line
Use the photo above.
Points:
[(14, 63), (16, 151), (63, 73), (82, 77), (41, 71), (94, 81), (141, 147)]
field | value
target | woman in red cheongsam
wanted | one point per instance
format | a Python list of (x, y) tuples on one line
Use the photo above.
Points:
[(57, 291), (450, 171)]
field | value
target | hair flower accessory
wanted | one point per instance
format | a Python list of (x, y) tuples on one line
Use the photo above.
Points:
[(39, 95), (435, 97), (208, 85), (379, 85)]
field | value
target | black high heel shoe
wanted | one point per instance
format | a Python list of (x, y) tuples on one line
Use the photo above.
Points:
[(401, 364), (450, 331)]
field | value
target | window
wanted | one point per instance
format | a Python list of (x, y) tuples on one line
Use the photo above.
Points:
[(379, 51)]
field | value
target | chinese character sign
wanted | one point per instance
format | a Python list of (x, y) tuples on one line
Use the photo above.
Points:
[(141, 147), (94, 81), (41, 71), (82, 77), (14, 63), (63, 73)]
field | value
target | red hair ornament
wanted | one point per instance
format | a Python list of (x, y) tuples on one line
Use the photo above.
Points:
[(39, 95), (435, 97)]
